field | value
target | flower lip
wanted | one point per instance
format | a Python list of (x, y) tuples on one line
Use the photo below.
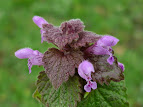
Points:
[(90, 85), (110, 60)]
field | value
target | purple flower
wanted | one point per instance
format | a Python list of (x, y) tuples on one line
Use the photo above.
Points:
[(103, 47), (39, 21), (110, 60), (84, 70), (34, 56), (121, 66), (90, 85), (107, 41)]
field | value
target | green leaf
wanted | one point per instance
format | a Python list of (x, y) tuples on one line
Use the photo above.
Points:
[(113, 95), (68, 94), (37, 95)]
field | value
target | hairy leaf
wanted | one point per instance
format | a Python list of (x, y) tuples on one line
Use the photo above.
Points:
[(60, 65), (104, 72), (72, 26), (113, 95), (67, 95), (85, 38), (63, 35)]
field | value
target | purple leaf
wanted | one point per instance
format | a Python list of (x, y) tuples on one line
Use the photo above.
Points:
[(85, 38), (60, 65), (104, 72), (72, 26), (61, 36)]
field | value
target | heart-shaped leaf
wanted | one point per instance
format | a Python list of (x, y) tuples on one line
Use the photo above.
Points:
[(60, 65), (104, 72), (113, 95), (67, 95)]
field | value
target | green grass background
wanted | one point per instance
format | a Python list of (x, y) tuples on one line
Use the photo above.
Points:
[(120, 18)]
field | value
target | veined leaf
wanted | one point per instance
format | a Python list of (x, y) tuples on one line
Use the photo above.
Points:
[(113, 95), (67, 95), (60, 65)]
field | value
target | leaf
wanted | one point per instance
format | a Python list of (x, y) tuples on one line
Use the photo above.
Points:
[(104, 72), (85, 38), (86, 94), (72, 26), (63, 35), (60, 65), (113, 95), (37, 95), (67, 95)]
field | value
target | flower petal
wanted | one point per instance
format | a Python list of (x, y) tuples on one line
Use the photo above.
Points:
[(24, 53), (107, 41), (110, 60), (121, 66), (39, 21), (87, 87), (93, 85), (36, 60), (84, 70), (98, 50), (42, 37), (29, 65)]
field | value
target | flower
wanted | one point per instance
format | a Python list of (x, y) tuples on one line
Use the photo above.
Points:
[(39, 21), (121, 66), (107, 41), (84, 70), (34, 56), (90, 85), (103, 47)]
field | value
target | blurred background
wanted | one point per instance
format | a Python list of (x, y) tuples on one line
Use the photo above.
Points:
[(120, 18)]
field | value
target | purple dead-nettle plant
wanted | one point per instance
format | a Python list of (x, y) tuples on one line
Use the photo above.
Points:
[(81, 54)]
